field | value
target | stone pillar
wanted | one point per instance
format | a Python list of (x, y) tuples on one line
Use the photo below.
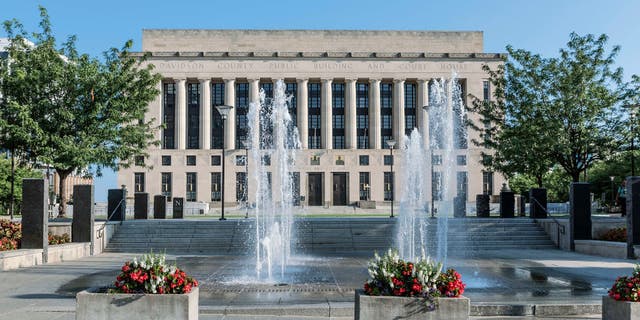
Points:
[(181, 114), (160, 207), (423, 115), (538, 203), (230, 123), (115, 203), (83, 215), (205, 113), (375, 122), (35, 218), (398, 111), (178, 208), (303, 112), (483, 209), (459, 207), (580, 213), (326, 114), (633, 215), (507, 204), (141, 205), (254, 98), (351, 124)]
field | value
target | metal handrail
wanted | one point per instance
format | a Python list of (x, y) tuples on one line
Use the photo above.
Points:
[(101, 229), (561, 228)]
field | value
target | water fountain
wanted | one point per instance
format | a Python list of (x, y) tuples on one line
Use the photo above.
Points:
[(447, 133), (274, 137)]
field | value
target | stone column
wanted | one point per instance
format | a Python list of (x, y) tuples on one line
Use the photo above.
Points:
[(375, 122), (351, 125), (205, 113), (230, 124), (303, 112), (254, 98), (326, 115), (35, 218), (423, 115), (181, 114), (632, 215), (398, 111), (579, 213), (83, 215), (159, 112)]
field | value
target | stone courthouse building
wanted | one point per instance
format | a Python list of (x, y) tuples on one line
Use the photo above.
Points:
[(351, 92)]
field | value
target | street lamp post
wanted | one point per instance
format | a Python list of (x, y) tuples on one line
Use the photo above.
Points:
[(392, 143), (612, 191), (633, 137), (224, 112), (246, 144)]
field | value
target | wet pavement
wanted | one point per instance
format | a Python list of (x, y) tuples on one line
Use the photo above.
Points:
[(502, 277)]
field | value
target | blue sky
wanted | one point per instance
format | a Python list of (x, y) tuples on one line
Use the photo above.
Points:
[(541, 26)]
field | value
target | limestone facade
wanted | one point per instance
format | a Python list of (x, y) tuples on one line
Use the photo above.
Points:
[(373, 69)]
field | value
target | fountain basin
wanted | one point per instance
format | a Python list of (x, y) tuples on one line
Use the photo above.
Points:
[(388, 307)]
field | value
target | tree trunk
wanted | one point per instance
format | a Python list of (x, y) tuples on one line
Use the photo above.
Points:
[(13, 183), (539, 181), (575, 176), (62, 209)]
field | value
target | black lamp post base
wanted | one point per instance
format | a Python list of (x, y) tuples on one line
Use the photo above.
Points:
[(222, 218)]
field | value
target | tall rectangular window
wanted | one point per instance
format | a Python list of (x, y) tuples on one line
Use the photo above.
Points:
[(388, 186), (462, 184), (315, 126), (362, 115), (138, 178), (241, 107), (193, 116), (436, 186), (267, 88), (386, 112), (266, 133), (487, 182), (486, 90), (338, 115), (436, 136), (410, 107), (216, 186), (291, 90), (459, 119), (169, 115), (365, 186), (192, 187), (217, 99), (241, 186), (166, 186)]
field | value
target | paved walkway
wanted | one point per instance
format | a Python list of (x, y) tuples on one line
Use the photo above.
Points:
[(313, 284)]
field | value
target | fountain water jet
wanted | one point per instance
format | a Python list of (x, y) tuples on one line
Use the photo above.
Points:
[(273, 136)]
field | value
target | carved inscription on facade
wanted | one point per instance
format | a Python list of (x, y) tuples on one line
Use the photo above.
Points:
[(453, 66), (332, 66), (282, 66), (180, 66), (235, 66)]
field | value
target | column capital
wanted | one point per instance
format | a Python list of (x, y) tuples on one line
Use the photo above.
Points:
[(204, 80), (374, 81), (326, 80), (250, 80), (398, 80), (275, 80), (424, 80), (182, 80), (229, 80), (350, 79), (302, 80)]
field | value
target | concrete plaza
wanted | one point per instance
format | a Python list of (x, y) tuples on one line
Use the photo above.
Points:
[(526, 284)]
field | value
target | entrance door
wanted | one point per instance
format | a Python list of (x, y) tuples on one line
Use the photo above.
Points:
[(339, 189), (315, 189)]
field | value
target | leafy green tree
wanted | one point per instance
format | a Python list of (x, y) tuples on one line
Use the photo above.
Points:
[(91, 112), (12, 195), (553, 111)]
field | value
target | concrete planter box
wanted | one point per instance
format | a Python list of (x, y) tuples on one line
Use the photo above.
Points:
[(619, 310), (98, 306), (387, 307)]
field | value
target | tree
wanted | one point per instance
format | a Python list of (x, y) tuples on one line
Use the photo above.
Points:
[(549, 111), (91, 112), (12, 195)]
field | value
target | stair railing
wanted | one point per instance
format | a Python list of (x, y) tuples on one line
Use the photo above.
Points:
[(560, 227), (101, 229)]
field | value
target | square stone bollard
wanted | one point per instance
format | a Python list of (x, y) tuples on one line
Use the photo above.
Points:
[(35, 218), (633, 215), (178, 208), (160, 207), (116, 206), (82, 229), (482, 205), (507, 204), (538, 203), (580, 213), (141, 205)]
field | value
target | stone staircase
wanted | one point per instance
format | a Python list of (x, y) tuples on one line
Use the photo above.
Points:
[(321, 236)]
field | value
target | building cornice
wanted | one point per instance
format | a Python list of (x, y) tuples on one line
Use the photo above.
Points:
[(327, 55)]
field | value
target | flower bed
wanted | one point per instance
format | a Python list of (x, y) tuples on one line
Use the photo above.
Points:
[(624, 295), (616, 235), (427, 293), (11, 236), (148, 288)]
